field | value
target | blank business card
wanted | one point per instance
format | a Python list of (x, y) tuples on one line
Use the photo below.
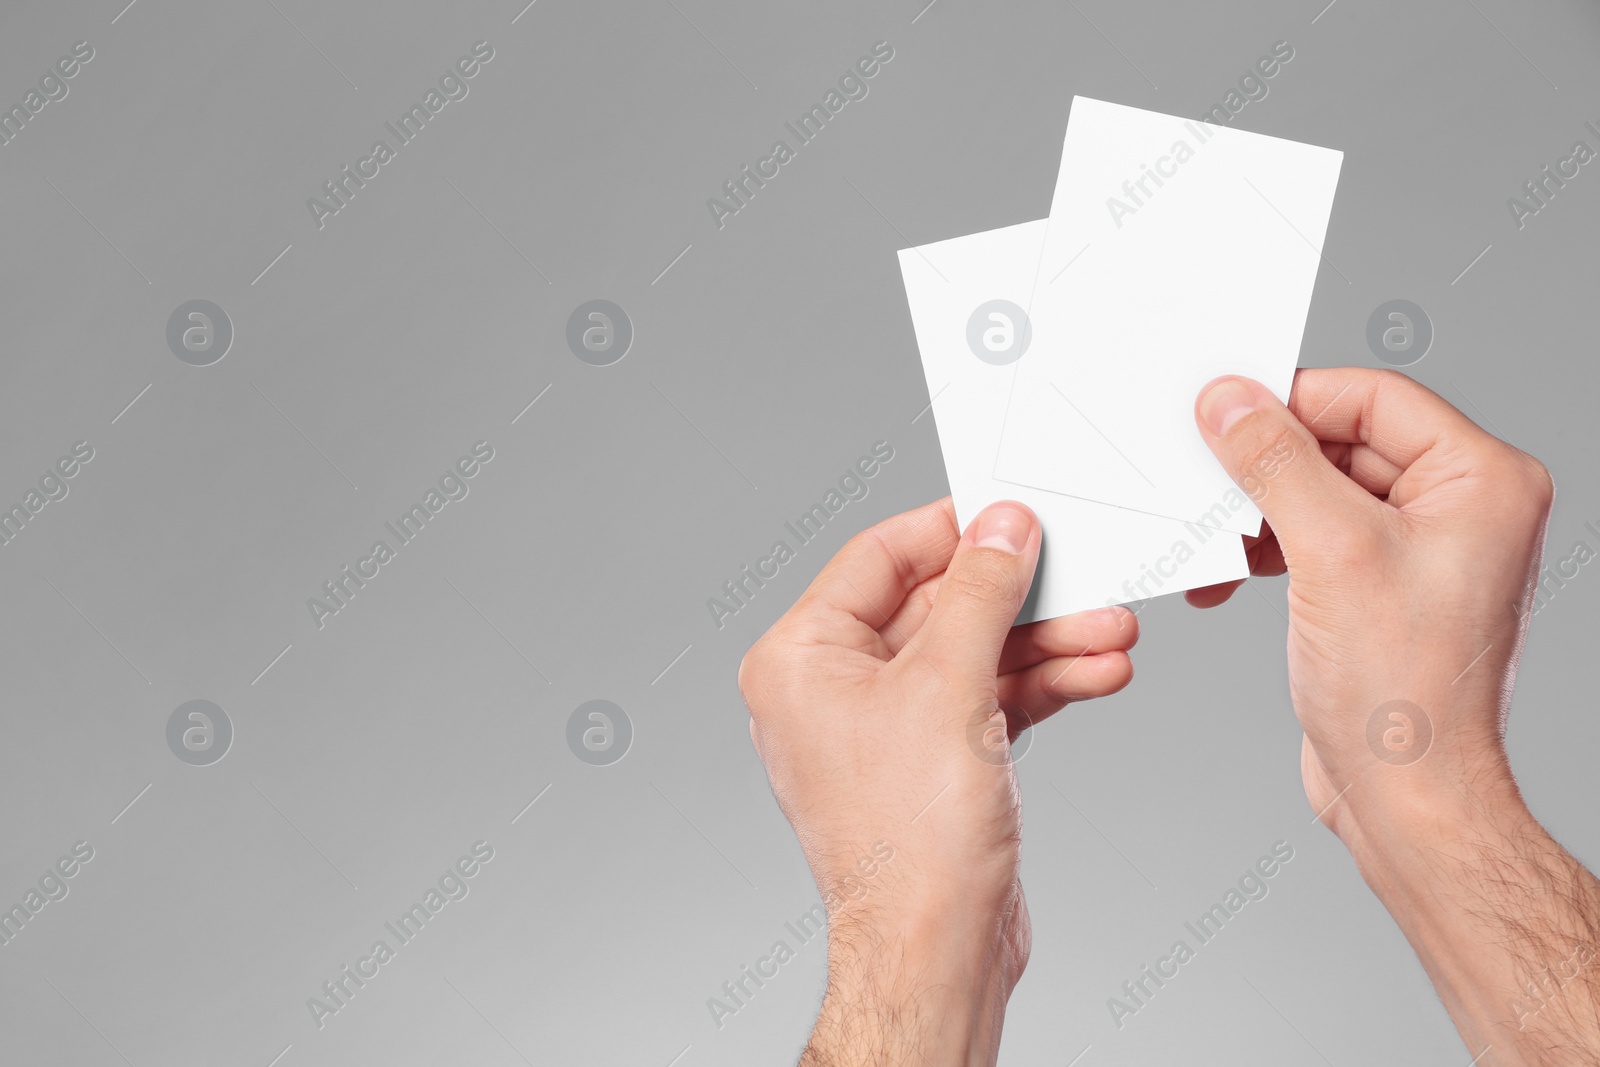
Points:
[(965, 296), (1175, 252)]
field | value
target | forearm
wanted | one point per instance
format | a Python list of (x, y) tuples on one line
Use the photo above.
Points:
[(919, 995), (1506, 921)]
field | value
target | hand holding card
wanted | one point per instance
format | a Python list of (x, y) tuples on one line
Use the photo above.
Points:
[(1063, 356), (1176, 252), (964, 296)]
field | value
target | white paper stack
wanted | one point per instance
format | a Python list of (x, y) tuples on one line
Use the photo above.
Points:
[(1063, 356)]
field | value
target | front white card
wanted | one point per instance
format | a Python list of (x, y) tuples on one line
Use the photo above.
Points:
[(965, 295), (1176, 251)]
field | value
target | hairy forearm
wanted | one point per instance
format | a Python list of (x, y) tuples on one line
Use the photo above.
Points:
[(862, 1026), (1505, 920), (923, 998)]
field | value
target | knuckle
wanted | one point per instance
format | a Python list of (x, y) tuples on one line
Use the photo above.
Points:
[(871, 537), (1392, 380), (775, 671), (754, 672), (1541, 486), (1398, 386), (983, 579), (1264, 451), (1522, 479)]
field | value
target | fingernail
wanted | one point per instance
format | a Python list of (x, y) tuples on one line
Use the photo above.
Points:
[(1225, 403), (1003, 526)]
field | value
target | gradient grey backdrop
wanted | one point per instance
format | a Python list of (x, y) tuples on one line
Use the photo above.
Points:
[(427, 315)]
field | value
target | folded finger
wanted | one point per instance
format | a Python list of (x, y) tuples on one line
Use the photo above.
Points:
[(1399, 418), (908, 618), (1266, 559), (1364, 466), (1085, 633), (1037, 692), (1209, 596), (873, 573)]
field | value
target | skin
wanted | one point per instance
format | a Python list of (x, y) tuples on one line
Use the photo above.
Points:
[(1412, 541), (882, 705)]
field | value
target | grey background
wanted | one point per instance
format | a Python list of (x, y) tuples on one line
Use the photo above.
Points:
[(424, 317)]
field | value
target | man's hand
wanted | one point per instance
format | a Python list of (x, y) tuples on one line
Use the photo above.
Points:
[(1412, 540), (883, 704)]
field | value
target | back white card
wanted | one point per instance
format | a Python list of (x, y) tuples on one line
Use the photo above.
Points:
[(965, 295), (1176, 251)]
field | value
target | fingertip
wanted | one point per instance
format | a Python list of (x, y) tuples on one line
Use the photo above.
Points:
[(1007, 525), (1224, 401), (984, 586), (1127, 624), (1212, 595), (1116, 671), (1098, 675)]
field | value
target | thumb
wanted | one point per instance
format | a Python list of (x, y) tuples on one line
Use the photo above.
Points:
[(1277, 462), (981, 593)]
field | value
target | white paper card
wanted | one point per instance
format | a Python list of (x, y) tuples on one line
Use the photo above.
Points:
[(1094, 554), (1176, 252)]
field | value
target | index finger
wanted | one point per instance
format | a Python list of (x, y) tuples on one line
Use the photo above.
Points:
[(879, 567), (1399, 418)]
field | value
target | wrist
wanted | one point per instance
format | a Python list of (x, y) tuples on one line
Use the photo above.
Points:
[(923, 980), (1411, 838), (1504, 920), (1417, 778)]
